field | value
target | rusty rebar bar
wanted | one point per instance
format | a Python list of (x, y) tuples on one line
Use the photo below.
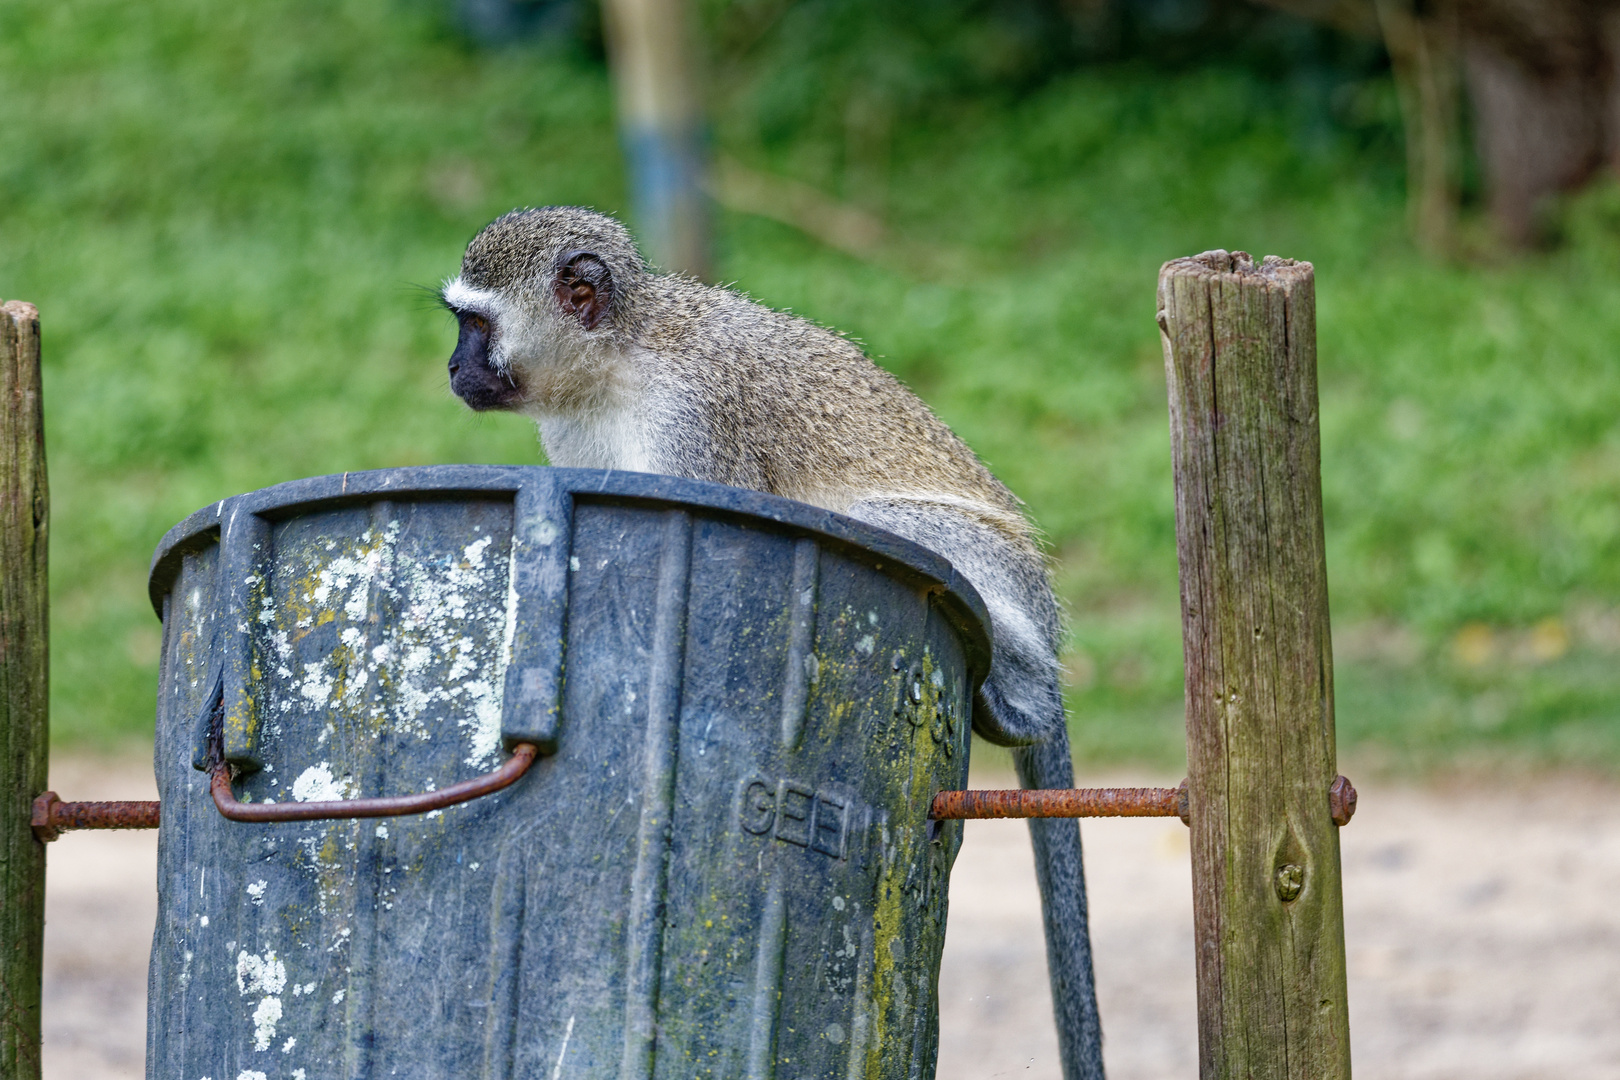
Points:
[(1099, 802), (52, 817), (1062, 803)]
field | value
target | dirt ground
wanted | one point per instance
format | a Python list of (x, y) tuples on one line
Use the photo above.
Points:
[(1483, 931)]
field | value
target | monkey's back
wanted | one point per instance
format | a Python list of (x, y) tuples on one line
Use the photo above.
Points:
[(776, 403)]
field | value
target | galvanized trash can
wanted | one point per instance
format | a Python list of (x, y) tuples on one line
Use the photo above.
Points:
[(720, 864)]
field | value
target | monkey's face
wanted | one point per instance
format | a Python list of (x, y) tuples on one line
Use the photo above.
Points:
[(474, 376), (519, 344), (541, 299)]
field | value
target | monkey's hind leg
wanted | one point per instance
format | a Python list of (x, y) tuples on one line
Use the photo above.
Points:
[(1060, 871)]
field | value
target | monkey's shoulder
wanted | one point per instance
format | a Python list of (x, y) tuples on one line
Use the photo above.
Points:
[(717, 325)]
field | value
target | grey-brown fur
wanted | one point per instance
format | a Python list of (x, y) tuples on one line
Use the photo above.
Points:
[(625, 368)]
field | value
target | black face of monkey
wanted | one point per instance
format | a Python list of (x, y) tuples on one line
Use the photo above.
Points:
[(472, 377)]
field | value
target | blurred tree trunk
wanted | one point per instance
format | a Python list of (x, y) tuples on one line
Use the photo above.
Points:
[(1423, 52), (1539, 77), (1542, 80)]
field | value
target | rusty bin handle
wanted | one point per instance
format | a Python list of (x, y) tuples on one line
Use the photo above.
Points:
[(523, 755), (52, 817)]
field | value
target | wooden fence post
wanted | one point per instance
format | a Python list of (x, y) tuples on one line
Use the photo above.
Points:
[(24, 517), (1268, 912)]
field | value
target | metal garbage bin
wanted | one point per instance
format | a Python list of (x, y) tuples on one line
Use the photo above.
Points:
[(720, 865)]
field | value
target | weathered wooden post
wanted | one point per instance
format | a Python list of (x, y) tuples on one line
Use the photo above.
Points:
[(24, 517), (1240, 356)]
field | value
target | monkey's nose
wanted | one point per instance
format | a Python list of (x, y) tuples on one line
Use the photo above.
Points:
[(454, 366)]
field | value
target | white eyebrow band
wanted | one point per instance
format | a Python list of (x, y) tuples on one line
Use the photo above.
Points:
[(465, 297)]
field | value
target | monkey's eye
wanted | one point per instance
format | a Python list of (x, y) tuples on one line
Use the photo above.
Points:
[(479, 323)]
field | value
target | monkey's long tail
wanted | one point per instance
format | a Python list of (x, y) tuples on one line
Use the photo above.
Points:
[(1060, 870)]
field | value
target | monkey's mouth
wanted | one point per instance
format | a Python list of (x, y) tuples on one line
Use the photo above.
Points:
[(473, 378), (483, 388)]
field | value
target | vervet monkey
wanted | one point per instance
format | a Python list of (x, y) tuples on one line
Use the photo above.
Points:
[(623, 368)]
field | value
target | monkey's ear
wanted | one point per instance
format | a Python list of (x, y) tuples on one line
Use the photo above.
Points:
[(584, 288)]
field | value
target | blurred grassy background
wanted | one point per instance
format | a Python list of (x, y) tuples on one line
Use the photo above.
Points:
[(225, 213)]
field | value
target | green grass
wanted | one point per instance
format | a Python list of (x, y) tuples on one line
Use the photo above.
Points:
[(224, 211)]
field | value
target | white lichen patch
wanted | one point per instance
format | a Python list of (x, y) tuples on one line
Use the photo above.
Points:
[(265, 1019), (441, 637), (474, 552), (374, 637), (317, 683), (464, 663), (249, 1074), (255, 892), (349, 574), (265, 977), (260, 974), (485, 724), (317, 784)]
